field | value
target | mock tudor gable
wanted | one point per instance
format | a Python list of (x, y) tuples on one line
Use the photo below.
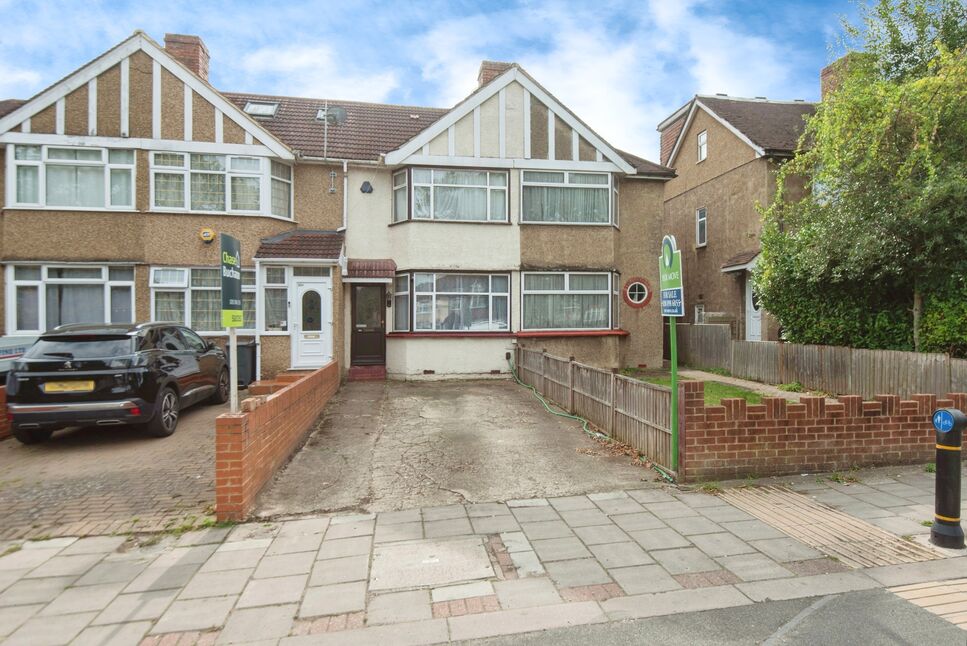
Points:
[(511, 121), (138, 95)]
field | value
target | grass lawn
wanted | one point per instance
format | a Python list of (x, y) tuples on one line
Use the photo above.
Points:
[(715, 391)]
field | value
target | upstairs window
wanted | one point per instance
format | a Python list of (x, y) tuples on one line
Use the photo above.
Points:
[(701, 227), (400, 211), (702, 145), (281, 190), (468, 195), (566, 197), (73, 177)]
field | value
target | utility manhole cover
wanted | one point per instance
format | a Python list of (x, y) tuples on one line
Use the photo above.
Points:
[(854, 542), (429, 563)]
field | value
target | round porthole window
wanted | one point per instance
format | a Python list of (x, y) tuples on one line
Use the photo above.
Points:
[(637, 292)]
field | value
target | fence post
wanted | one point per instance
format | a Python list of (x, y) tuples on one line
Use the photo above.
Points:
[(614, 379), (543, 372), (570, 385)]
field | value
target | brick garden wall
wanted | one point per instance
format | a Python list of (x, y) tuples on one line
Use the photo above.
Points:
[(250, 446), (778, 437)]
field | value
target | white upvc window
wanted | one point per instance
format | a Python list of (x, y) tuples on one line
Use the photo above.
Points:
[(700, 314), (702, 141), (70, 177), (459, 194), (275, 299), (400, 196), (42, 297), (193, 297), (453, 302), (701, 227), (210, 183), (401, 303), (566, 197), (567, 300)]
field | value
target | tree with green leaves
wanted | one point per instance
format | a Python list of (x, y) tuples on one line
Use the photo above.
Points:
[(884, 224)]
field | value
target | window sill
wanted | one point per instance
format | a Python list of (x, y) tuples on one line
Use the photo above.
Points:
[(450, 335), (569, 224), (535, 334), (433, 221)]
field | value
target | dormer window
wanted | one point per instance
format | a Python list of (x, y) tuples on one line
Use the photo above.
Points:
[(702, 145), (260, 109)]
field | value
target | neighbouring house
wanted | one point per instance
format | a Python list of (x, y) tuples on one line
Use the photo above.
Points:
[(725, 152), (403, 240)]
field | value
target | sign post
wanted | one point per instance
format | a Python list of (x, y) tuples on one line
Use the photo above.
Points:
[(231, 261), (672, 306)]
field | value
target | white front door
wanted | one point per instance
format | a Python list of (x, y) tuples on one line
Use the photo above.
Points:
[(753, 312), (312, 324)]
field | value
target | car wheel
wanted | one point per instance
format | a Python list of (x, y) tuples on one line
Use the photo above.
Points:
[(165, 418), (32, 436), (220, 396)]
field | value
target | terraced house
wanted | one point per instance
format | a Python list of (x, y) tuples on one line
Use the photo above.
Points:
[(414, 242)]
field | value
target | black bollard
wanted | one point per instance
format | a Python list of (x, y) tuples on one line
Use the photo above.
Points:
[(946, 530)]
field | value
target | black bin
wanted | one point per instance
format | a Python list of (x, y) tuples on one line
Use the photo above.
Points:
[(246, 363)]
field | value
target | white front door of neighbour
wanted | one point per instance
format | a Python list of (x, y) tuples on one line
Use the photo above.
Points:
[(753, 312), (312, 323)]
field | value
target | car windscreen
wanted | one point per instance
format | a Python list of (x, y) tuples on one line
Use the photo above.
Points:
[(80, 347)]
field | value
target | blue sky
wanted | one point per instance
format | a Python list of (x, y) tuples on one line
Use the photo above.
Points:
[(621, 66)]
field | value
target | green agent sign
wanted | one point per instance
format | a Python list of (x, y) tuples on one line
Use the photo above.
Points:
[(231, 281), (670, 278)]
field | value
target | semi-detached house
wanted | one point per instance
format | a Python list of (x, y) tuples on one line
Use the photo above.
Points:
[(402, 240)]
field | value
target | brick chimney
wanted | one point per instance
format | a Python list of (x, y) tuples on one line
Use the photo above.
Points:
[(190, 52), (489, 70), (831, 75)]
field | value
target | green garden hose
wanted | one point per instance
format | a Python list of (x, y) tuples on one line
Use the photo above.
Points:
[(584, 423)]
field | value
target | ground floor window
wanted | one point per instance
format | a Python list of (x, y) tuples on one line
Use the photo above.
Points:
[(275, 298), (193, 297), (567, 301), (45, 296), (452, 302)]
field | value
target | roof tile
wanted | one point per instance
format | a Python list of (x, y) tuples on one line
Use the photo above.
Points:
[(302, 243)]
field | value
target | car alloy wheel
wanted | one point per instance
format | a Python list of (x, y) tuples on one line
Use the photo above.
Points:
[(223, 385), (169, 411)]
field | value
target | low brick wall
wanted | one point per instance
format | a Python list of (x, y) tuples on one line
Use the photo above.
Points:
[(779, 438), (4, 422), (251, 446)]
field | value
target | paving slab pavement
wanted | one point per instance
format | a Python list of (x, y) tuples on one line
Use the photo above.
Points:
[(329, 579)]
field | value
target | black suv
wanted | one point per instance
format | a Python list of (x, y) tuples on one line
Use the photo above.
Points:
[(103, 375)]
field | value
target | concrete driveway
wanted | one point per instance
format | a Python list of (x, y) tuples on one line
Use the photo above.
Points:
[(108, 480), (384, 446)]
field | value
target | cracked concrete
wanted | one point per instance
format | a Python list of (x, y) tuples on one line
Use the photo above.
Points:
[(385, 446)]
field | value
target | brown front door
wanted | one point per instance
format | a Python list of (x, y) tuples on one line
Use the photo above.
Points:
[(368, 343)]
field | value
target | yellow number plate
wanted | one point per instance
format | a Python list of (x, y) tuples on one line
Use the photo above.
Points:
[(69, 386)]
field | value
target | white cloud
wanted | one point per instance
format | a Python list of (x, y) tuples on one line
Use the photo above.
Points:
[(314, 71), (13, 80)]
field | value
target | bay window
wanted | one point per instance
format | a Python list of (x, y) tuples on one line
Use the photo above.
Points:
[(565, 197), (567, 301), (45, 296), (72, 177), (452, 302), (460, 195), (220, 183), (193, 297)]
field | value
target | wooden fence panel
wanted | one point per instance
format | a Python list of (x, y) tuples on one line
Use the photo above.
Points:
[(592, 395), (705, 346), (757, 360), (556, 380), (643, 418), (958, 376), (837, 372)]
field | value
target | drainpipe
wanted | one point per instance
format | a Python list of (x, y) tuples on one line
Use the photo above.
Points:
[(345, 195)]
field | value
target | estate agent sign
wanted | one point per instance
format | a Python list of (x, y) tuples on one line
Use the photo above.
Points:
[(670, 278), (231, 281)]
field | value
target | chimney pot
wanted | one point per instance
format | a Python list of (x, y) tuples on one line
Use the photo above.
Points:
[(190, 51)]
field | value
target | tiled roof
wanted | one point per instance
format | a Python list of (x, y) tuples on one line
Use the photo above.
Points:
[(302, 243), (370, 129), (378, 268), (9, 105), (740, 259), (774, 126), (646, 167)]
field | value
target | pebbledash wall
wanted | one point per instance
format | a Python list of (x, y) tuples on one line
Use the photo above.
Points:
[(815, 435), (250, 446)]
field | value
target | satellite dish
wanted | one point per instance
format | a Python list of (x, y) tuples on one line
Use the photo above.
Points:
[(333, 115)]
